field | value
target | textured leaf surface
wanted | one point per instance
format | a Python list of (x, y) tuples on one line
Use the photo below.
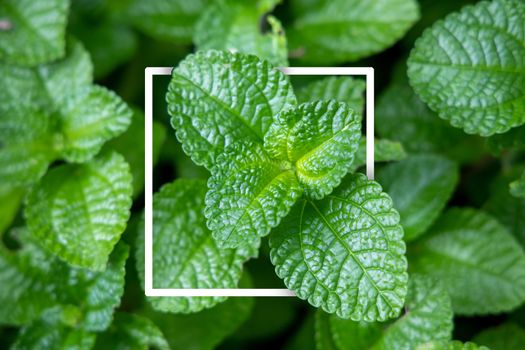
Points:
[(204, 330), (479, 262), (507, 336), (236, 26), (384, 151), (342, 30), (451, 345), (171, 20), (340, 88), (470, 67), (133, 332), (517, 188), (184, 253), (33, 32), (402, 116), (428, 316), (217, 98), (420, 186), (33, 281), (345, 252), (248, 195), (320, 140), (78, 212)]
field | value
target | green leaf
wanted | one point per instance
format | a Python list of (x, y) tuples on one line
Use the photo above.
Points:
[(420, 187), (134, 332), (319, 139), (204, 330), (517, 188), (248, 195), (169, 20), (402, 116), (78, 212), (469, 67), (237, 26), (10, 201), (33, 32), (507, 336), (345, 252), (384, 151), (184, 252), (34, 281), (52, 332), (451, 345), (131, 145), (340, 88), (479, 262), (341, 30), (217, 98), (428, 316)]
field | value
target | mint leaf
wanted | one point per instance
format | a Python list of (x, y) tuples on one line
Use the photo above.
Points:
[(217, 98), (169, 20), (248, 194), (469, 67), (402, 116), (340, 88), (10, 201), (420, 187), (507, 336), (338, 31), (319, 139), (206, 329), (345, 252), (517, 188), (34, 31), (384, 151), (451, 345), (184, 253), (78, 212), (428, 316), (53, 332), (237, 26), (478, 261), (130, 331), (34, 281), (89, 119)]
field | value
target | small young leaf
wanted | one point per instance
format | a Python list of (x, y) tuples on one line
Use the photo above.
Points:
[(319, 139), (507, 336), (130, 331), (340, 88), (169, 20), (345, 252), (470, 67), (420, 186), (248, 195), (384, 151), (217, 98), (78, 212), (479, 262), (10, 201), (236, 26), (342, 30), (517, 188), (428, 317), (34, 31), (184, 253)]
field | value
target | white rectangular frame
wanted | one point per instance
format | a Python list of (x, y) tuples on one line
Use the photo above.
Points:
[(150, 72)]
